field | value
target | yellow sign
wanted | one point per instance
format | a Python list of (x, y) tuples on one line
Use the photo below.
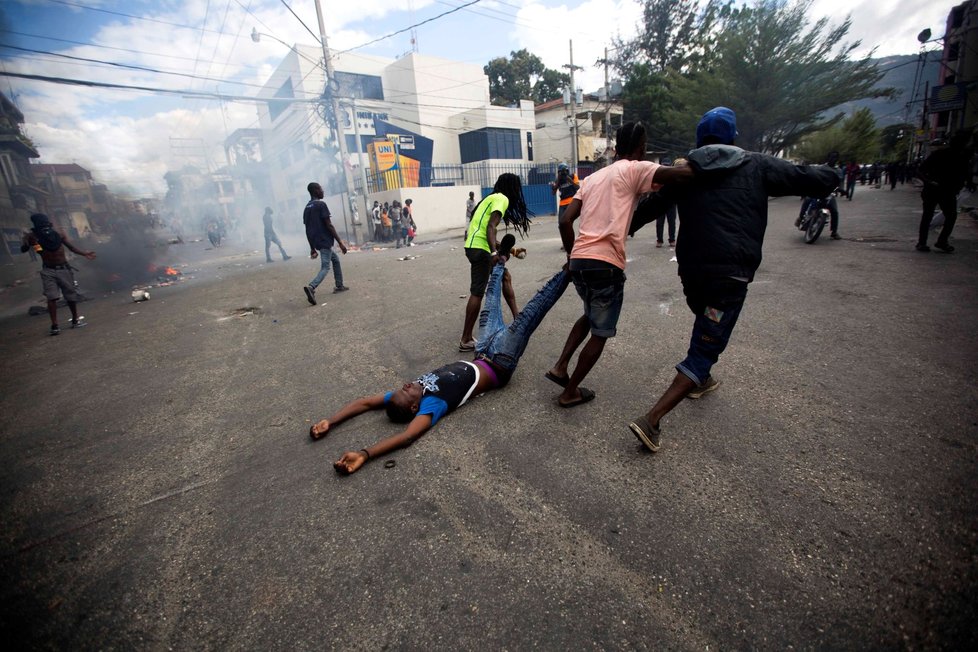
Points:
[(384, 154)]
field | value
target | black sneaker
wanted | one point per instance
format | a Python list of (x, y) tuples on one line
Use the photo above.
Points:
[(269, 260), (943, 246), (835, 236), (310, 294), (923, 247), (54, 330), (78, 323), (286, 257), (506, 245), (341, 288)]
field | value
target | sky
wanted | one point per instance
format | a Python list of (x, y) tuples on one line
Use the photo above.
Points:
[(130, 139)]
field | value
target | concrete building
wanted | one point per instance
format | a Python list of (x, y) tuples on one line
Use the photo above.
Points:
[(19, 194), (417, 122), (70, 195), (553, 136), (953, 103)]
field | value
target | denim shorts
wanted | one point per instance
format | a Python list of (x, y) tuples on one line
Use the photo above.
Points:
[(480, 262), (601, 286)]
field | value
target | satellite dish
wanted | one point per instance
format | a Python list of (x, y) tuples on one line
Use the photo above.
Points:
[(924, 36)]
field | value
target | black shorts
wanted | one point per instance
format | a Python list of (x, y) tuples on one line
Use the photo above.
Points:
[(480, 262)]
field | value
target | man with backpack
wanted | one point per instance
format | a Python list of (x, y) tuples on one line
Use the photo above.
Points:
[(56, 273)]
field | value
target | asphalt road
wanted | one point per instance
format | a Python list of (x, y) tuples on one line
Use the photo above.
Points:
[(159, 489)]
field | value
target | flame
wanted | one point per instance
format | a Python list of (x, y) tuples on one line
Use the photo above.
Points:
[(171, 272)]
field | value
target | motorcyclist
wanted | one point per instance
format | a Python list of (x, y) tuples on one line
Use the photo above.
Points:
[(831, 161)]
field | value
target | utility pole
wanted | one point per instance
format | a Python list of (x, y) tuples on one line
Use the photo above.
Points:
[(340, 133), (363, 173), (573, 110)]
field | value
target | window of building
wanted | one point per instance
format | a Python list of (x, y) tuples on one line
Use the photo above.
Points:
[(488, 143), (80, 178), (943, 118), (361, 87), (275, 109)]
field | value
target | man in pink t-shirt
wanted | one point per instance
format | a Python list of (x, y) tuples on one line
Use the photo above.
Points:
[(605, 204)]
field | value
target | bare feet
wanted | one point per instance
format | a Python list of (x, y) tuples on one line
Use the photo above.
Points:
[(350, 462), (318, 430)]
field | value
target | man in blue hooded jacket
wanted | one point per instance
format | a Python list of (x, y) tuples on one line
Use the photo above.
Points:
[(723, 215)]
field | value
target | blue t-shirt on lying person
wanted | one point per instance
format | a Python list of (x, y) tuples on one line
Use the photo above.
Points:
[(445, 389)]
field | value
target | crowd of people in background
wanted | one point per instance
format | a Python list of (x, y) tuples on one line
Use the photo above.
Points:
[(394, 222)]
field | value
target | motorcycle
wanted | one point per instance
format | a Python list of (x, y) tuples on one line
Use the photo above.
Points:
[(814, 215)]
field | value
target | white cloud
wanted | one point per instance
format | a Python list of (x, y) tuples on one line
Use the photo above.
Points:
[(889, 27)]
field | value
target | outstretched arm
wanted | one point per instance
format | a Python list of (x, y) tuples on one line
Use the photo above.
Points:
[(348, 411), (672, 174), (353, 460), (87, 254)]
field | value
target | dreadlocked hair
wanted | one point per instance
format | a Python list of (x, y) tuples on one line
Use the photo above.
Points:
[(627, 138), (517, 215)]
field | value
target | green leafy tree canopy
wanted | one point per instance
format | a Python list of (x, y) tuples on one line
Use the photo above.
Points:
[(522, 76), (854, 139), (778, 72)]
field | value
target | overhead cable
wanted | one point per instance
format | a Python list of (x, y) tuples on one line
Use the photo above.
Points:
[(409, 27)]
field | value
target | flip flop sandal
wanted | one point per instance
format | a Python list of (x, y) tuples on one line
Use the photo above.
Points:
[(648, 434), (554, 378), (586, 397)]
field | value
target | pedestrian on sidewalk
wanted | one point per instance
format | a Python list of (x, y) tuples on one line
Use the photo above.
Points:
[(724, 211), (378, 226), (469, 207), (270, 236), (57, 278), (321, 235), (944, 174), (604, 203), (506, 204), (422, 403), (408, 225)]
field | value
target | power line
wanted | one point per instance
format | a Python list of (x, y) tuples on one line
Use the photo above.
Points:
[(110, 47), (127, 65), (119, 13), (409, 27), (314, 35), (192, 94)]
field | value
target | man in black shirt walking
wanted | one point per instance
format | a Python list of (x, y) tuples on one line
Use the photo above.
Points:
[(321, 235), (944, 173)]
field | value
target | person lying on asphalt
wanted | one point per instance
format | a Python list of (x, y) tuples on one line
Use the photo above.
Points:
[(421, 403)]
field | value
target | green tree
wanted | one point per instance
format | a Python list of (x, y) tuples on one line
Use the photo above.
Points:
[(854, 139), (522, 76), (780, 73), (674, 36), (894, 141)]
